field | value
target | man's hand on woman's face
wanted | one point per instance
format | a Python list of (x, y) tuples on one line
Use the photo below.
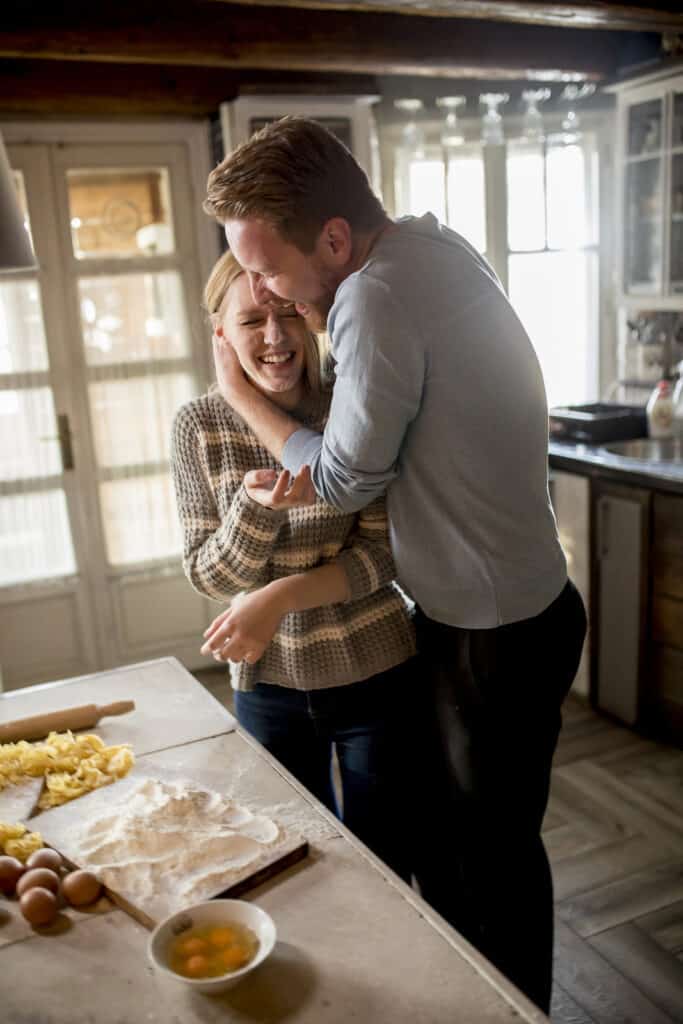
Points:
[(278, 490), (230, 376)]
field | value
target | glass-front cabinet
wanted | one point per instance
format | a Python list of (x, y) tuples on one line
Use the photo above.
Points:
[(649, 211), (676, 247), (651, 193)]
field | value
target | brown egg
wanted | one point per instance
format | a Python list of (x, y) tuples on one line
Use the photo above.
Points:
[(80, 887), (38, 905), (45, 858), (11, 871), (38, 876)]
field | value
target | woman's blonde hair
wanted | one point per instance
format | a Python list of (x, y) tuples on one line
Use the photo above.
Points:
[(225, 272)]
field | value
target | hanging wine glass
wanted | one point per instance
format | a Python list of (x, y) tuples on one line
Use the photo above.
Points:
[(532, 121), (571, 123), (412, 135), (451, 132), (492, 122)]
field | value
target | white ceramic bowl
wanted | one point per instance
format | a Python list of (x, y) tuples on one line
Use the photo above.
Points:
[(219, 911)]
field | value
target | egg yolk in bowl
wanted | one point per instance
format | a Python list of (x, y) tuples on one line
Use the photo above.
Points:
[(211, 950)]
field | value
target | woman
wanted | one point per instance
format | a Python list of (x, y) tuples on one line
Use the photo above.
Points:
[(318, 636)]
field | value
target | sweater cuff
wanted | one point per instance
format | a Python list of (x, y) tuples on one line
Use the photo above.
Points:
[(253, 512), (361, 573), (247, 518), (301, 448)]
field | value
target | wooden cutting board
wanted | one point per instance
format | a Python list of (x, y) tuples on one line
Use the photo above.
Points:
[(59, 826)]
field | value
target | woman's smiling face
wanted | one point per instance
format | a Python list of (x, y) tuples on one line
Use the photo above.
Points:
[(270, 340)]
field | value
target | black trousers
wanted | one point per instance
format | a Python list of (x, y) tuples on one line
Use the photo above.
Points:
[(491, 719)]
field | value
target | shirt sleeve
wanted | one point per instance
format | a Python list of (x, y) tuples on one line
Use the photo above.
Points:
[(221, 556), (380, 370)]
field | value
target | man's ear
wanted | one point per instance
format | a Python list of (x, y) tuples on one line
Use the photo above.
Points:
[(335, 242)]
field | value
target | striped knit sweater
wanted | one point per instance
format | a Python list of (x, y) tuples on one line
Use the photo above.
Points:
[(232, 544)]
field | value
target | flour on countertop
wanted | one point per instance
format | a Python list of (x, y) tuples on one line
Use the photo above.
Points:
[(174, 839)]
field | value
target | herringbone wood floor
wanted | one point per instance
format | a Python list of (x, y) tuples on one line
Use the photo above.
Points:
[(614, 834)]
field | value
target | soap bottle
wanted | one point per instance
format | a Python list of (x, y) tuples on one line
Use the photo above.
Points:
[(660, 411)]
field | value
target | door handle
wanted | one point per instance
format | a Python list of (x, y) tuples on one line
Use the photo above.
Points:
[(64, 437)]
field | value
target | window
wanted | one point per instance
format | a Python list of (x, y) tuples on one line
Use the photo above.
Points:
[(532, 210)]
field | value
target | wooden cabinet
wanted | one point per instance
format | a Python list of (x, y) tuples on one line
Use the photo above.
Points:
[(571, 498), (663, 698), (621, 519)]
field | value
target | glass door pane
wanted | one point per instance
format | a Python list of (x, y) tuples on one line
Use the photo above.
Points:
[(554, 296), (466, 195), (645, 127), (643, 227), (119, 212), (676, 228), (137, 351), (35, 533), (526, 196)]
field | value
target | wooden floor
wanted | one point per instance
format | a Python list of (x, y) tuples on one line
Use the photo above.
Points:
[(614, 834)]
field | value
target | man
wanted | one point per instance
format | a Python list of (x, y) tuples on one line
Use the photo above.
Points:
[(439, 401)]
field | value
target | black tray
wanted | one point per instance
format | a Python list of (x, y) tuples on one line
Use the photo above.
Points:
[(597, 422)]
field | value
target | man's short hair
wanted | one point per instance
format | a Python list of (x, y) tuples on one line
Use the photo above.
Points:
[(295, 175)]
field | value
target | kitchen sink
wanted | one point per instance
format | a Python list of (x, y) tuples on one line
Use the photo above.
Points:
[(648, 449)]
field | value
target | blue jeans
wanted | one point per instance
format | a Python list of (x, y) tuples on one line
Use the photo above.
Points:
[(364, 722)]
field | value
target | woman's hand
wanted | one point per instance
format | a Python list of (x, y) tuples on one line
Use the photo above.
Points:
[(244, 630), (278, 490), (230, 376)]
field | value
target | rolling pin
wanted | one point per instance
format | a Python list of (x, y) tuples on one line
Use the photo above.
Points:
[(84, 717)]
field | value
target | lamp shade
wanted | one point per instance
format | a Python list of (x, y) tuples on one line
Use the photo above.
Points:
[(15, 246)]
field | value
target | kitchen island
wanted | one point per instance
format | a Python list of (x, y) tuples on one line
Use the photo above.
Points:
[(354, 942)]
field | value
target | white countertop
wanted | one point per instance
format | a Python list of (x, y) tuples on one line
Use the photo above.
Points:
[(354, 942)]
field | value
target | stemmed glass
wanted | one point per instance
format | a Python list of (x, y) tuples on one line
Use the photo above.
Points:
[(412, 135), (571, 125), (492, 121), (451, 132), (532, 122)]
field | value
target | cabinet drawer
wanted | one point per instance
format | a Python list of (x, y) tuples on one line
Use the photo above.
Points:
[(667, 621)]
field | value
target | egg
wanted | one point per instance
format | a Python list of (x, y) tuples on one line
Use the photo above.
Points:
[(45, 858), (81, 887), (38, 905), (42, 877), (197, 966), (11, 871), (192, 947)]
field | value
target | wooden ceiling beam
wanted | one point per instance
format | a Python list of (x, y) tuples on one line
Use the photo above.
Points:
[(592, 14), (40, 88), (216, 35)]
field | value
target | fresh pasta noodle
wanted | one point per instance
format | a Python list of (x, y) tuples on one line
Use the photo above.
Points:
[(71, 765), (17, 841)]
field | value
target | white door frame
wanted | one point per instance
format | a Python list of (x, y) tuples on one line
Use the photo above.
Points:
[(99, 649)]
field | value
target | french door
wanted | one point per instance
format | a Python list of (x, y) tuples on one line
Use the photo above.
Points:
[(98, 348)]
